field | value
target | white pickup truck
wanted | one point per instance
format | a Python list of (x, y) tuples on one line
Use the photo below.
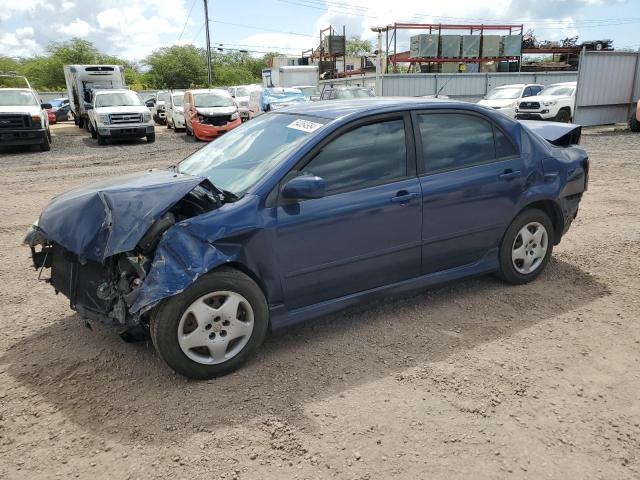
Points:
[(119, 114), (23, 119), (556, 103)]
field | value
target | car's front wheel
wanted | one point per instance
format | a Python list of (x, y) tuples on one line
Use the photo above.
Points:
[(634, 124), (212, 327), (526, 247)]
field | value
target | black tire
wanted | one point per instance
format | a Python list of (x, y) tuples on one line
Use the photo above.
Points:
[(189, 132), (563, 116), (80, 122), (165, 320), (169, 124), (634, 124), (507, 270), (45, 146), (93, 131), (151, 137), (101, 140)]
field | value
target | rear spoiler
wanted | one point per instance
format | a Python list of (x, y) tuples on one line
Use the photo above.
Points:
[(559, 134)]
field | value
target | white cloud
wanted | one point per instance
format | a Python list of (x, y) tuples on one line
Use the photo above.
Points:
[(77, 28), (19, 43), (8, 8)]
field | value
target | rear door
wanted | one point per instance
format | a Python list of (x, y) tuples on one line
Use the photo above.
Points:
[(365, 232), (472, 177)]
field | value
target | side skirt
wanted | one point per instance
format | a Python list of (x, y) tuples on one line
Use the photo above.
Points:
[(281, 317)]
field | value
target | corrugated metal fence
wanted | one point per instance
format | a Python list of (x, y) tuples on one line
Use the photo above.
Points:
[(461, 86), (608, 87)]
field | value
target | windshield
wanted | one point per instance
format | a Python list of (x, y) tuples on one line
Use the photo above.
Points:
[(58, 102), (285, 94), (163, 97), (504, 93), (177, 99), (558, 91), (354, 93), (242, 92), (204, 100), (237, 160), (309, 91), (17, 98), (118, 99)]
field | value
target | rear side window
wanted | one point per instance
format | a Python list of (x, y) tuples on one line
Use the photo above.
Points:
[(453, 140), (504, 146), (365, 156)]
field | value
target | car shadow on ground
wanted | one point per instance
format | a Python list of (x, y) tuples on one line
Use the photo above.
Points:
[(112, 388)]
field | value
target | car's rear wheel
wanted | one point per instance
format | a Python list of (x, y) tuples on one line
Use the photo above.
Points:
[(526, 247), (212, 327), (634, 124)]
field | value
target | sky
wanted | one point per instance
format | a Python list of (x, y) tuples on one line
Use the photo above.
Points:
[(134, 28)]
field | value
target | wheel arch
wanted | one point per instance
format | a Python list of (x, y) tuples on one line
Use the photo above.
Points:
[(553, 210)]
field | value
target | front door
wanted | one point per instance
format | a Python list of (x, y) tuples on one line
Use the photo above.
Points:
[(365, 232)]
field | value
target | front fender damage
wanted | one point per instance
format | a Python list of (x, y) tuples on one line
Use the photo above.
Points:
[(194, 247)]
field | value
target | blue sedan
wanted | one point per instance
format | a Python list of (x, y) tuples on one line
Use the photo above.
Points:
[(308, 210)]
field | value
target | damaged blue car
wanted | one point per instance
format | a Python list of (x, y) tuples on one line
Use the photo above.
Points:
[(308, 210)]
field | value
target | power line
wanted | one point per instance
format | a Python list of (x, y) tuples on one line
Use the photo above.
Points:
[(186, 21), (358, 11), (262, 28)]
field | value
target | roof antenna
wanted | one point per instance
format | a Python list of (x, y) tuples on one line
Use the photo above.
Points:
[(443, 85)]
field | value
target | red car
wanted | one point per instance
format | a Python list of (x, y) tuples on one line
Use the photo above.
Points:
[(208, 113), (52, 115)]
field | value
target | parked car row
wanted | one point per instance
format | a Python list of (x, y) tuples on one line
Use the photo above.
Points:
[(533, 101)]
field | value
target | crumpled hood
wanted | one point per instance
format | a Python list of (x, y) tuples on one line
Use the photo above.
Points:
[(214, 111), (102, 219)]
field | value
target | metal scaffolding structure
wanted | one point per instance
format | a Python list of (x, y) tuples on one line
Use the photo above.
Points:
[(394, 57)]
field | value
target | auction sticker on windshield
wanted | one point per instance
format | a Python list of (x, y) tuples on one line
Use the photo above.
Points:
[(304, 125)]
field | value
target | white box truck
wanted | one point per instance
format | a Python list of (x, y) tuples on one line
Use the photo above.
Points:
[(290, 76), (82, 80)]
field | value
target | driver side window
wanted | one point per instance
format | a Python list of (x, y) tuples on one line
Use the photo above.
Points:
[(368, 155)]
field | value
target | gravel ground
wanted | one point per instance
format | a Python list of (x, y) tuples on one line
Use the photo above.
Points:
[(476, 379)]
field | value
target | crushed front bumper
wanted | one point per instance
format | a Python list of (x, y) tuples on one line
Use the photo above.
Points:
[(211, 132), (22, 136)]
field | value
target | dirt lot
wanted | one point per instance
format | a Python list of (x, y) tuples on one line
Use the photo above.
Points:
[(472, 380)]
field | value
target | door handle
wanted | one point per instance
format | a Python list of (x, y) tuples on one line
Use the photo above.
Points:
[(404, 197), (510, 174)]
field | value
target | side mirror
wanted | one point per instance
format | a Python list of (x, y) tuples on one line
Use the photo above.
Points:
[(46, 106), (149, 103), (304, 186)]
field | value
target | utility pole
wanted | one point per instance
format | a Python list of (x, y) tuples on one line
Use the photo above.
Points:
[(379, 31), (206, 19)]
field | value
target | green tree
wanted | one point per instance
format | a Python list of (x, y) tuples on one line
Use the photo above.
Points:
[(179, 66), (356, 46)]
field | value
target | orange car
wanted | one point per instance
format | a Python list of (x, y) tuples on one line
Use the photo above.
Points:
[(208, 113), (634, 121)]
